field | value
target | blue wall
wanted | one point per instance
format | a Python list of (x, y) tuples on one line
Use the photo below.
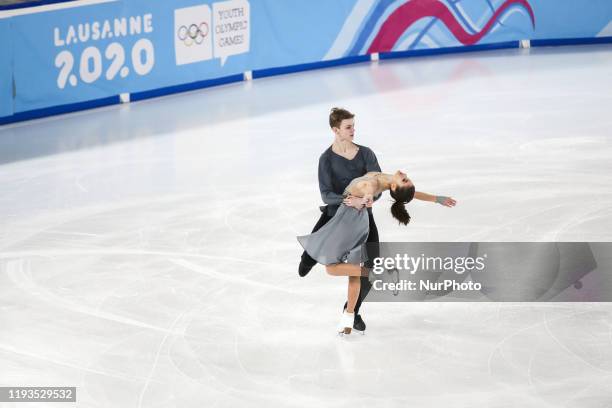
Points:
[(6, 69), (64, 59)]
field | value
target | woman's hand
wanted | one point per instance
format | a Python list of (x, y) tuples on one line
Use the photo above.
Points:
[(445, 201)]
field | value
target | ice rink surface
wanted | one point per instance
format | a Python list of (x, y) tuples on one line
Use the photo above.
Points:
[(148, 252)]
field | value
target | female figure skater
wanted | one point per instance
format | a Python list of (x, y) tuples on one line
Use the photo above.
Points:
[(338, 244)]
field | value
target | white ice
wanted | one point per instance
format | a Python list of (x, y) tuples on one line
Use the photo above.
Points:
[(148, 253)]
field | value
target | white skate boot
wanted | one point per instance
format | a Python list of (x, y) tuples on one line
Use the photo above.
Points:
[(346, 323)]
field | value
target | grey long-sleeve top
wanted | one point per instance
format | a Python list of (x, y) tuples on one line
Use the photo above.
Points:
[(336, 173)]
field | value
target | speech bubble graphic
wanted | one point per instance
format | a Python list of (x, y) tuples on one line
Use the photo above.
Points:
[(192, 34), (232, 21)]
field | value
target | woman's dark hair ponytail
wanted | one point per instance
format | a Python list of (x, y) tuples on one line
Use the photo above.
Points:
[(398, 208)]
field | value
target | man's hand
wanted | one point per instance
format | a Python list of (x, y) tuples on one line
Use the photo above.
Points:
[(355, 202)]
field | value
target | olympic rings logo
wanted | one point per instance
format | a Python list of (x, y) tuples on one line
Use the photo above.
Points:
[(194, 34)]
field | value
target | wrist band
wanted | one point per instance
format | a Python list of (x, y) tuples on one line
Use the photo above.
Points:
[(441, 199)]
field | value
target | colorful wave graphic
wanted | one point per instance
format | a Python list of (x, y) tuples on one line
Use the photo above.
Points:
[(407, 14)]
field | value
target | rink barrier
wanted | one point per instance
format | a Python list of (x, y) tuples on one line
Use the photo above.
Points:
[(571, 41), (61, 56), (263, 73), (28, 4), (268, 72), (60, 110), (169, 90), (449, 50)]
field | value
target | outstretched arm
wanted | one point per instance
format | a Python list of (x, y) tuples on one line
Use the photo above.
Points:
[(442, 200)]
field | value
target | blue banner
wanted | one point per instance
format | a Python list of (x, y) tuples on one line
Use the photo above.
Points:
[(6, 74), (88, 52), (392, 26)]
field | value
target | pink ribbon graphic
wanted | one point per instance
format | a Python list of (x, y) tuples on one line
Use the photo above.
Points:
[(412, 11)]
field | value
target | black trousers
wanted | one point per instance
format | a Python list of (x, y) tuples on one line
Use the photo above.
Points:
[(372, 237)]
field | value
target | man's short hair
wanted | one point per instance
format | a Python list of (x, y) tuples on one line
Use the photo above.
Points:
[(337, 115)]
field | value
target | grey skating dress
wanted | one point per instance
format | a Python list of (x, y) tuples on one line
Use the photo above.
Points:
[(342, 238)]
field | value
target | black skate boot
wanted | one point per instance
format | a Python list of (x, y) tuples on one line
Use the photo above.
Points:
[(303, 269), (358, 324)]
